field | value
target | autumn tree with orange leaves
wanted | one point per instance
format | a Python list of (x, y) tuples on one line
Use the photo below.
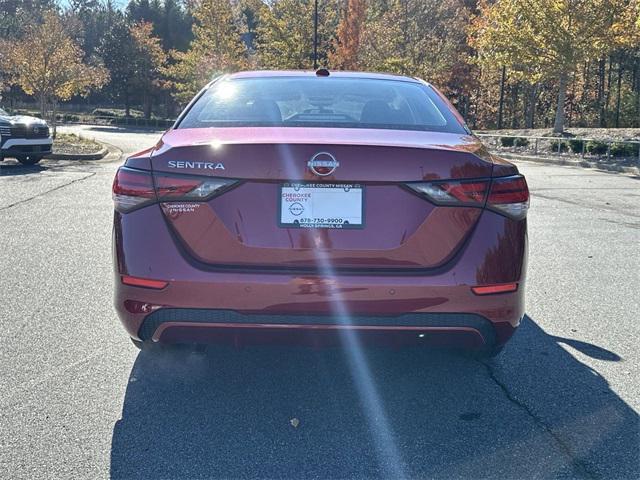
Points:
[(348, 36), (55, 70), (546, 40)]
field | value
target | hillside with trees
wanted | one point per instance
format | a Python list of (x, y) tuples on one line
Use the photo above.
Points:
[(503, 63)]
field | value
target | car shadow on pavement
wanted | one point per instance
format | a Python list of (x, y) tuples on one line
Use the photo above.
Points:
[(294, 412), (11, 168)]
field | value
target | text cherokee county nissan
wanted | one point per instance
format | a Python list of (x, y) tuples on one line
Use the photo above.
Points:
[(309, 206)]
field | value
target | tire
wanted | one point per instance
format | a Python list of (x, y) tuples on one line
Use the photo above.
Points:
[(29, 160)]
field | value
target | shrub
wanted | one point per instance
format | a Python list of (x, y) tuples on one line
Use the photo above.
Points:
[(597, 148), (104, 112), (507, 141), (624, 149), (576, 145), (68, 117), (115, 112), (521, 142), (561, 144)]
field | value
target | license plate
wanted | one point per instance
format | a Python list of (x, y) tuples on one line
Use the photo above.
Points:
[(321, 205)]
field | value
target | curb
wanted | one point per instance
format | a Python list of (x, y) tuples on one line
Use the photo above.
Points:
[(78, 156), (572, 163)]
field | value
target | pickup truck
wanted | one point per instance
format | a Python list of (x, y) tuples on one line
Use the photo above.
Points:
[(27, 139)]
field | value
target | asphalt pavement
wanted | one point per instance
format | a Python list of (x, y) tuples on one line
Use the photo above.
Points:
[(77, 400)]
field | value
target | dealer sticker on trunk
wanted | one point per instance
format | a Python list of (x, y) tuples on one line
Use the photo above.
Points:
[(321, 205)]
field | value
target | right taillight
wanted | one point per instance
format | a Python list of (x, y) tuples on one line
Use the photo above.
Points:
[(509, 196), (452, 192), (506, 195)]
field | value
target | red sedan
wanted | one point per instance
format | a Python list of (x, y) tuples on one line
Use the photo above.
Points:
[(311, 207)]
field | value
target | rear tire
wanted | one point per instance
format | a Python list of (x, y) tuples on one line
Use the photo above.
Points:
[(29, 160)]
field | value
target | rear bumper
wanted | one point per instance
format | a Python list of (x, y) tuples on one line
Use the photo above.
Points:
[(274, 308), (436, 318), (303, 307), (225, 326)]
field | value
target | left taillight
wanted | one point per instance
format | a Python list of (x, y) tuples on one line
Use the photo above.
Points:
[(170, 188), (133, 189)]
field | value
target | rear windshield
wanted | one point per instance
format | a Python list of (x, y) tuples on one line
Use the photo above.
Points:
[(321, 102)]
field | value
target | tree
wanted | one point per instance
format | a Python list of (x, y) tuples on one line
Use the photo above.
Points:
[(216, 48), (175, 26), (285, 34), (15, 15), (116, 50), (170, 21), (348, 36), (148, 62), (546, 40), (54, 70), (250, 12), (423, 38)]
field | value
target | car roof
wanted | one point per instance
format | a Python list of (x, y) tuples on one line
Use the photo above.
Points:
[(312, 73)]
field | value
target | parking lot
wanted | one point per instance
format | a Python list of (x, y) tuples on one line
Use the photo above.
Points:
[(79, 400)]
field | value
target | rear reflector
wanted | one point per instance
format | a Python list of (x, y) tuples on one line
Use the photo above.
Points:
[(143, 282), (491, 289)]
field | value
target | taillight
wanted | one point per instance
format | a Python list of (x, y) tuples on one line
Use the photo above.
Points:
[(132, 189), (136, 188), (178, 187), (506, 195), (471, 193), (510, 196)]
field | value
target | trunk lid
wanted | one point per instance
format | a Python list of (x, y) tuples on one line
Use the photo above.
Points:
[(241, 228)]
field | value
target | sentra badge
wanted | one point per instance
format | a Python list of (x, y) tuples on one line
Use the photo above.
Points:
[(201, 165)]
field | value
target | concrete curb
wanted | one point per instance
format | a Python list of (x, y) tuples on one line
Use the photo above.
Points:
[(79, 156), (572, 163)]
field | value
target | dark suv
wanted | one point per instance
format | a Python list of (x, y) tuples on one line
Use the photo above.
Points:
[(25, 138)]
